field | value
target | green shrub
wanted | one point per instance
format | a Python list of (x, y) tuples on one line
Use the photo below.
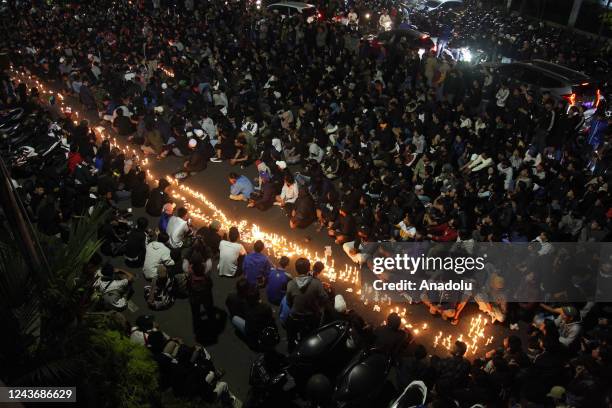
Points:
[(123, 374)]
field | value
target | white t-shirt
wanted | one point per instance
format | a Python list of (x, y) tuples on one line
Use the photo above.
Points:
[(228, 255), (119, 285), (177, 229), (157, 254), (289, 193)]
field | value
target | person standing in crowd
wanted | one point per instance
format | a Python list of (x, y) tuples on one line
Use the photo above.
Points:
[(200, 291)]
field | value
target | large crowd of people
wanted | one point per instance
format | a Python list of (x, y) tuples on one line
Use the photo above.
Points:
[(369, 143)]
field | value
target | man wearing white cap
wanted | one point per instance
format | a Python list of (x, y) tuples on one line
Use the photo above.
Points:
[(197, 159)]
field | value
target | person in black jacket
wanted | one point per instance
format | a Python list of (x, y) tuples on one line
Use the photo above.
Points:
[(390, 338), (198, 159), (304, 213), (265, 198), (158, 197), (257, 317), (136, 244), (140, 191), (344, 227)]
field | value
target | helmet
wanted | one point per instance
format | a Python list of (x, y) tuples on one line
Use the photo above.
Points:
[(269, 337), (318, 388)]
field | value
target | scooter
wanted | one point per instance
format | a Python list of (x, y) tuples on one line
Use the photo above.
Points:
[(48, 152), (329, 348), (362, 380), (270, 383)]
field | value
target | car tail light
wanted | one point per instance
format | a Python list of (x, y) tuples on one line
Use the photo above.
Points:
[(571, 98), (319, 15), (424, 37), (597, 98)]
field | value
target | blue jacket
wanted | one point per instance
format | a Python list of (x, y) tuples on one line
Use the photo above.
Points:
[(242, 186), (255, 266), (277, 285)]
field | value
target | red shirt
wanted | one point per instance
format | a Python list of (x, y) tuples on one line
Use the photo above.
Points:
[(73, 160), (443, 233)]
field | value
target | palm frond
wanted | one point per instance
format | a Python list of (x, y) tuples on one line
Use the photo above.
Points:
[(19, 295), (82, 243)]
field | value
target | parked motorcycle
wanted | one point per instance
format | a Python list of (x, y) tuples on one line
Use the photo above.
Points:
[(33, 152), (326, 351), (362, 381)]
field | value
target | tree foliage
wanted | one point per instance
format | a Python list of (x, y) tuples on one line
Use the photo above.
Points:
[(56, 339)]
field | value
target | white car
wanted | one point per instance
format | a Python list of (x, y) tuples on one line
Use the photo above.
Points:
[(439, 5), (293, 8)]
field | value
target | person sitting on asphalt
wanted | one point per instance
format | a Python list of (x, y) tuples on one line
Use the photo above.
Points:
[(231, 254), (289, 194), (136, 244), (241, 187), (390, 338), (256, 266), (167, 213), (304, 212), (212, 236), (114, 287), (258, 316), (158, 197), (265, 198), (178, 228), (306, 298), (157, 254), (278, 278), (197, 160)]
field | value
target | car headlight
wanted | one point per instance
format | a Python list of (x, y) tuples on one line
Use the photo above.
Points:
[(466, 55)]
